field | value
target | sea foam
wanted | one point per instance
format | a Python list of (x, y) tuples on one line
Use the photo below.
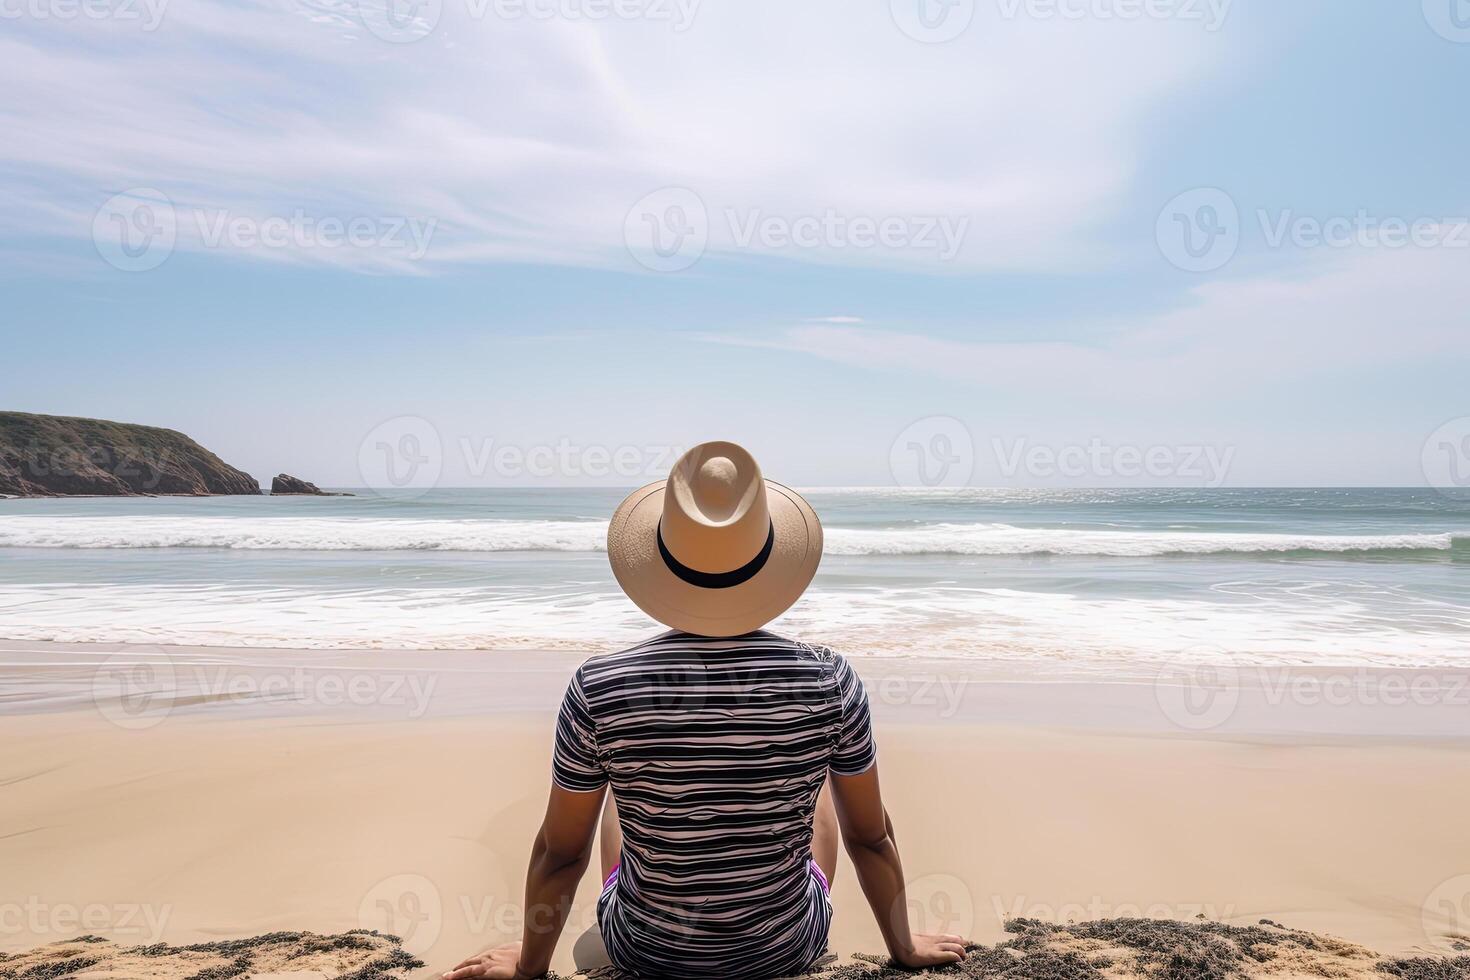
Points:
[(1257, 625), (397, 534)]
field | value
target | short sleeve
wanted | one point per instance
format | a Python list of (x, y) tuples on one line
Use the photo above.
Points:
[(856, 751), (574, 762)]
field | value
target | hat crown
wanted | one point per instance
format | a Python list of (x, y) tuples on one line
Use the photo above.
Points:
[(716, 489), (715, 516)]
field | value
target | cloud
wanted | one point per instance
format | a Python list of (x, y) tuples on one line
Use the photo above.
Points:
[(1366, 308), (529, 139)]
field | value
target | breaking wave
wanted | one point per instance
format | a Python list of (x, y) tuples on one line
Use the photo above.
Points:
[(369, 534)]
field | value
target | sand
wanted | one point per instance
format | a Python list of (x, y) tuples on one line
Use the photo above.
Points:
[(242, 809), (1104, 949)]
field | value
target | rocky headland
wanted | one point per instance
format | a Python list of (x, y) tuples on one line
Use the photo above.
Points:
[(53, 456)]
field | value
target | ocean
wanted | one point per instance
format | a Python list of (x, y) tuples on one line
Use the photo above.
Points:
[(1072, 579)]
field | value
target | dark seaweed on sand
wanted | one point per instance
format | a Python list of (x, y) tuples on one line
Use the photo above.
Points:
[(1162, 949), (1176, 950), (392, 965), (1424, 968), (1165, 949), (325, 944), (224, 971), (235, 947), (385, 967), (61, 968)]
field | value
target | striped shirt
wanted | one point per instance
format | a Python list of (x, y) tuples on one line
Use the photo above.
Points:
[(715, 750)]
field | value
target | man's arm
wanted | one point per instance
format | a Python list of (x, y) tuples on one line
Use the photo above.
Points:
[(868, 834), (559, 857)]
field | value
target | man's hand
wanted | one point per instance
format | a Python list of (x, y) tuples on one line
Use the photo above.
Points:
[(931, 950), (499, 963)]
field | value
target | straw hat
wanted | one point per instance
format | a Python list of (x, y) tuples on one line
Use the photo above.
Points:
[(716, 549)]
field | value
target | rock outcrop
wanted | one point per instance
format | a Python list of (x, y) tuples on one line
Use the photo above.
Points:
[(50, 456), (284, 483)]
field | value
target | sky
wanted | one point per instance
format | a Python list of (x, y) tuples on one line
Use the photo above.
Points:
[(913, 242)]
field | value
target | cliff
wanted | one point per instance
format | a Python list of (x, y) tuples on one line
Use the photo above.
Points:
[(49, 455)]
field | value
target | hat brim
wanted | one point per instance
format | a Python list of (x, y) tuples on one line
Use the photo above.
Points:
[(632, 549)]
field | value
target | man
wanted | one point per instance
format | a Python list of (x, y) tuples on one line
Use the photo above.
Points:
[(733, 756)]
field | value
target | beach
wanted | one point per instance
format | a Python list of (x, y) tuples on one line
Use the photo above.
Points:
[(232, 717), (185, 795)]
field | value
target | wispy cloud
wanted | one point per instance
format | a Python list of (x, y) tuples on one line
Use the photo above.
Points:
[(529, 139), (1368, 308)]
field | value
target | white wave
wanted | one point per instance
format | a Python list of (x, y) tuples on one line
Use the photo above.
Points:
[(301, 534), (1004, 539), (375, 534), (1254, 625)]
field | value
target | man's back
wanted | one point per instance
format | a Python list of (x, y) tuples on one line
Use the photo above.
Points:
[(716, 750), (717, 740)]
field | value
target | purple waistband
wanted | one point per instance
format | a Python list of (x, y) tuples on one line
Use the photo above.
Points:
[(817, 870)]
